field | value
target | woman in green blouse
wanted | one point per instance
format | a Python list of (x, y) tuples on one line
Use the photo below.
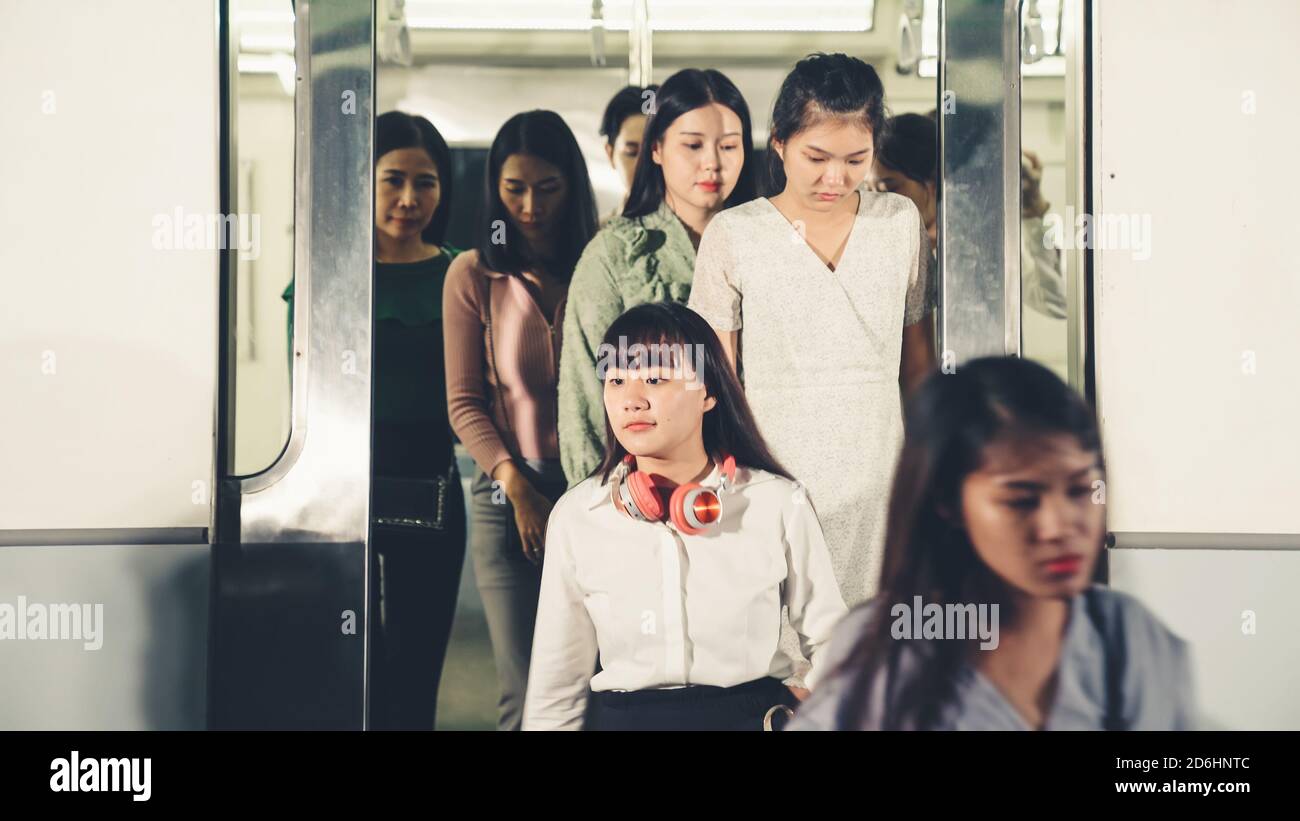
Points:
[(697, 163), (417, 507)]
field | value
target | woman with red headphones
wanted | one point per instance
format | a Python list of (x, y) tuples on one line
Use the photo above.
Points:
[(672, 562)]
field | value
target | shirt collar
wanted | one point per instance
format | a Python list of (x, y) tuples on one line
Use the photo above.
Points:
[(1075, 705), (599, 493), (665, 219)]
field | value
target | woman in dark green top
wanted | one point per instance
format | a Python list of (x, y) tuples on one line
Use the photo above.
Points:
[(417, 507)]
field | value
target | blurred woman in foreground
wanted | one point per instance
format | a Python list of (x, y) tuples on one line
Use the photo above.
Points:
[(995, 524)]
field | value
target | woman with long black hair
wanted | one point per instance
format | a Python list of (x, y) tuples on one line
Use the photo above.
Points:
[(504, 305), (672, 563), (821, 296), (695, 161), (996, 522), (908, 164), (623, 127), (417, 506)]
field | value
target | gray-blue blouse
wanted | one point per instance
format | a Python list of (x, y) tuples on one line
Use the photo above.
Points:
[(1115, 650)]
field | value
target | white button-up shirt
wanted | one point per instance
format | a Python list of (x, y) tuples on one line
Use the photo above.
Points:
[(667, 610)]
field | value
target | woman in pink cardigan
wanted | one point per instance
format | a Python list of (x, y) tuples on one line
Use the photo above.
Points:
[(503, 308)]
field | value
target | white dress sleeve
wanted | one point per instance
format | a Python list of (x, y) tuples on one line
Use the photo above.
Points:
[(715, 289), (564, 639), (811, 592)]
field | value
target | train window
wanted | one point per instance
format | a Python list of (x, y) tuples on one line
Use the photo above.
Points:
[(1045, 195), (262, 168)]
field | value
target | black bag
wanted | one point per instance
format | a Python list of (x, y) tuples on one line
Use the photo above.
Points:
[(1107, 620), (410, 502)]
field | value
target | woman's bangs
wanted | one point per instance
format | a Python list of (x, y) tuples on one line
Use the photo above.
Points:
[(635, 342)]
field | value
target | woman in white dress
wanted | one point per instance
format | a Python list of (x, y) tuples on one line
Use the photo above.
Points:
[(822, 299)]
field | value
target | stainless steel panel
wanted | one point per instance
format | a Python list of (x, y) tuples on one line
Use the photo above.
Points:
[(979, 137), (289, 639), (286, 647), (319, 489)]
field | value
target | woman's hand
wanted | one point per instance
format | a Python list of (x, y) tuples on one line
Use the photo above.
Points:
[(532, 509), (799, 692), (1032, 203)]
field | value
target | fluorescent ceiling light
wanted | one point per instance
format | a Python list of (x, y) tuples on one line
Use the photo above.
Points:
[(665, 15)]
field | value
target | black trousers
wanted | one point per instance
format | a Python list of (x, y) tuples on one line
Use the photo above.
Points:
[(698, 707), (415, 576)]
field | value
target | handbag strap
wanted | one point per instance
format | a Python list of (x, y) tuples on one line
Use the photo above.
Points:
[(1116, 656)]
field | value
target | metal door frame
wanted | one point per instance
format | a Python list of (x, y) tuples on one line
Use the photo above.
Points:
[(291, 558)]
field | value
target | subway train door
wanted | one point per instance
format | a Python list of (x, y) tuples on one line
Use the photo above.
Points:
[(288, 645), (1173, 313), (108, 361), (1196, 334), (144, 583)]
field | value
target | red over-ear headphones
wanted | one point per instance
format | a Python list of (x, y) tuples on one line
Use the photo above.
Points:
[(692, 508)]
